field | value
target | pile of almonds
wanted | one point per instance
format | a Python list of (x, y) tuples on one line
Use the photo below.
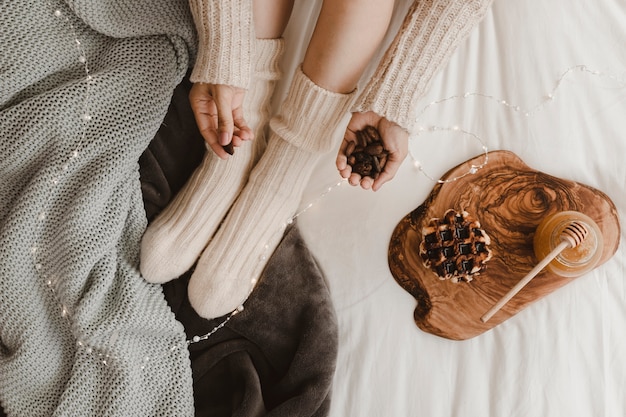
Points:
[(367, 156)]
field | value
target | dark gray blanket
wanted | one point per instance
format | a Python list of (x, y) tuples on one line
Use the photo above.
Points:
[(277, 357)]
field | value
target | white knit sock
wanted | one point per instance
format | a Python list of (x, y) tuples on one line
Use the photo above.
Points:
[(175, 239), (233, 261), (257, 106)]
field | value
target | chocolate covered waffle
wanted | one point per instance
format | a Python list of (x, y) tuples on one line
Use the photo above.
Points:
[(455, 247)]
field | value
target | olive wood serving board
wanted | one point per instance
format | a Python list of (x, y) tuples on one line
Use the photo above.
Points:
[(509, 199)]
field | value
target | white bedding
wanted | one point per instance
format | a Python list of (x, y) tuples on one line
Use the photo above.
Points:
[(565, 355)]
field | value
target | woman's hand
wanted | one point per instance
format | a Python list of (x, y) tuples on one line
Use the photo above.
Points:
[(395, 140), (218, 110)]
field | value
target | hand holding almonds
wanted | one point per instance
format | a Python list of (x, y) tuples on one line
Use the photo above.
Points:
[(367, 156)]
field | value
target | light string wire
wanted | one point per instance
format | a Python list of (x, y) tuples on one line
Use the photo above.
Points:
[(265, 253), (473, 167), (86, 118), (52, 280), (526, 112)]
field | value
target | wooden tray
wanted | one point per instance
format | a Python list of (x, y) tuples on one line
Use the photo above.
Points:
[(509, 199)]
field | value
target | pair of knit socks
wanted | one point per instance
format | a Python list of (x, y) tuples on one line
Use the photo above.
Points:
[(177, 237), (233, 221)]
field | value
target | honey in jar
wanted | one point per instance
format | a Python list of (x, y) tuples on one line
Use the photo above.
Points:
[(571, 262)]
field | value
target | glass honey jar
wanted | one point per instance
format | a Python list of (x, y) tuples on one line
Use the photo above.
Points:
[(572, 261)]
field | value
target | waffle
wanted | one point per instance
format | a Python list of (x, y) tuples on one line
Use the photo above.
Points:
[(455, 247)]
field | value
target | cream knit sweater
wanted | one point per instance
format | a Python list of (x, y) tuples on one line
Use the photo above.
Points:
[(225, 37), (431, 32)]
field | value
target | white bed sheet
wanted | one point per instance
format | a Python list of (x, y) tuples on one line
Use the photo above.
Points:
[(565, 355)]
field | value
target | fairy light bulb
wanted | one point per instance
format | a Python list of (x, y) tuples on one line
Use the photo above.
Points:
[(87, 117)]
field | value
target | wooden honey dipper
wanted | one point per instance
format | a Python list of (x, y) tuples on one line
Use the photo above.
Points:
[(573, 235)]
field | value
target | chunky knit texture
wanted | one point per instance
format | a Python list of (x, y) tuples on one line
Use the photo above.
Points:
[(240, 249), (81, 333), (430, 33), (226, 36), (174, 241), (257, 106)]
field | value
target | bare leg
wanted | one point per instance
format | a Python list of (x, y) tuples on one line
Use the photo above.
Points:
[(346, 36), (271, 17), (318, 100)]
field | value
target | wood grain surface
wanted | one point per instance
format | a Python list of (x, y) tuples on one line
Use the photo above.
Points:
[(509, 199)]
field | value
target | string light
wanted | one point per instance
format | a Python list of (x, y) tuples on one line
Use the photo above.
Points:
[(526, 112), (473, 168), (86, 117), (263, 257), (52, 280), (547, 98)]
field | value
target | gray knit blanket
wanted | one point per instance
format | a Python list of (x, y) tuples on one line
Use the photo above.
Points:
[(84, 86)]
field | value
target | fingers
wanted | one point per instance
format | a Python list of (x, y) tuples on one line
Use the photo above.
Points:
[(218, 110), (394, 138), (342, 156), (224, 102), (365, 182), (242, 130), (357, 122), (205, 113), (396, 141), (390, 171)]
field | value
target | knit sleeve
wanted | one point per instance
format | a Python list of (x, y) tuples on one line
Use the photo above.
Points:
[(225, 36), (429, 34)]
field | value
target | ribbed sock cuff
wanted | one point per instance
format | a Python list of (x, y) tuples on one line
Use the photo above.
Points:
[(310, 114), (257, 102), (268, 53)]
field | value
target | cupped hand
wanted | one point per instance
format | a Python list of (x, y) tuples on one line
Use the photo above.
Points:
[(395, 141), (218, 110)]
